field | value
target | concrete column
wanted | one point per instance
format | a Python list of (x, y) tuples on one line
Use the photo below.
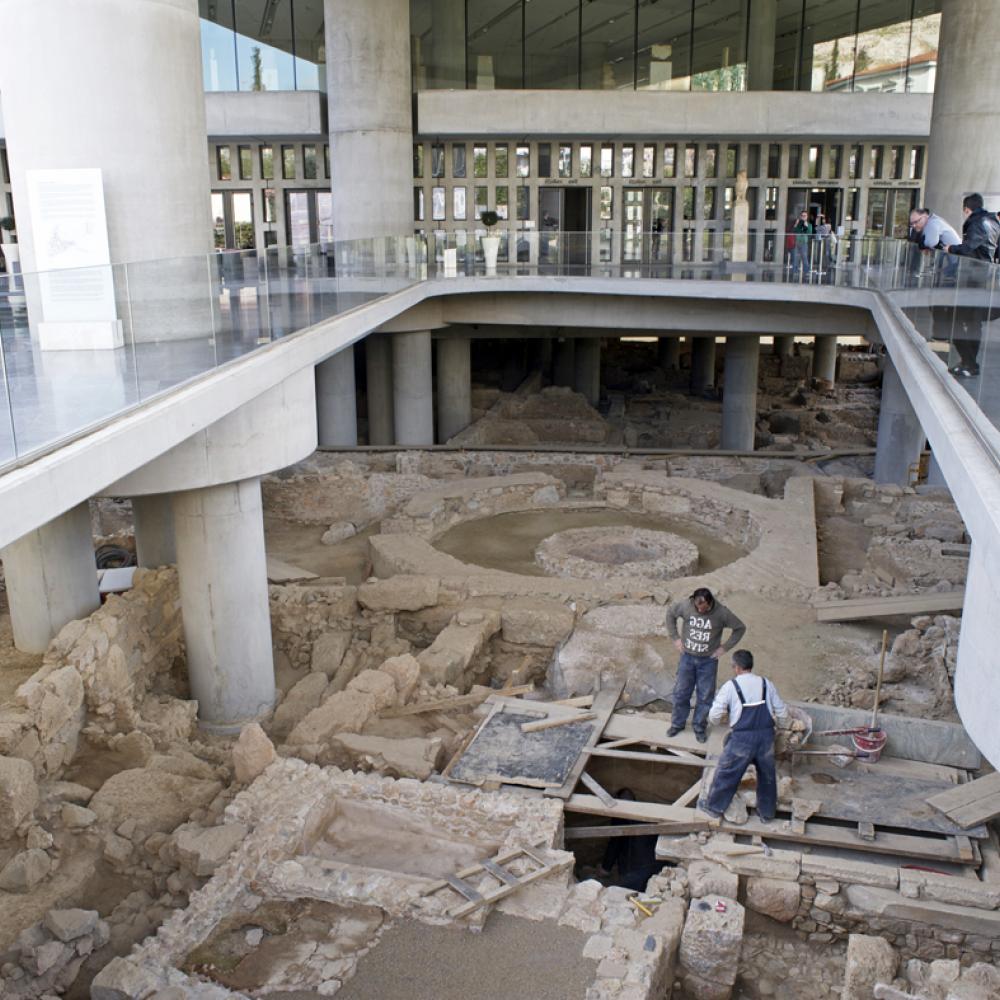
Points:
[(825, 358), (370, 114), (564, 362), (412, 391), (760, 44), (222, 570), (454, 386), (900, 436), (378, 388), (587, 368), (668, 352), (153, 518), (702, 363), (51, 578), (739, 401), (336, 401), (784, 347), (963, 154)]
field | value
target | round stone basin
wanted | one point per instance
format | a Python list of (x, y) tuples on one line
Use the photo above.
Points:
[(604, 553)]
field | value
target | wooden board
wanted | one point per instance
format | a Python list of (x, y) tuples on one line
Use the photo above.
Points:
[(501, 752), (970, 804), (653, 732), (880, 607), (633, 830), (868, 796), (604, 705)]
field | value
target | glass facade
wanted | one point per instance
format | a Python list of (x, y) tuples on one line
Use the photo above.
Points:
[(262, 45), (841, 45)]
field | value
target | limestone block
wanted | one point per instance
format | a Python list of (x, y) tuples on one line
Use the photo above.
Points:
[(343, 712), (340, 531), (68, 925), (157, 800), (697, 988), (18, 794), (397, 758), (70, 791), (202, 851), (175, 719), (405, 672), (120, 979), (711, 941), (399, 593), (76, 817), (946, 889), (298, 703), (455, 648), (252, 753), (25, 870), (870, 960), (847, 871), (705, 878), (985, 975), (329, 649), (968, 991), (666, 925), (47, 956), (888, 905), (380, 685), (779, 864), (536, 623), (775, 898)]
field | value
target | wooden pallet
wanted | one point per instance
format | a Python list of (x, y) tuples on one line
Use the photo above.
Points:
[(970, 804), (495, 867), (878, 607)]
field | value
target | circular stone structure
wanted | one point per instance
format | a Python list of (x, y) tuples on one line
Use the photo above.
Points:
[(602, 553)]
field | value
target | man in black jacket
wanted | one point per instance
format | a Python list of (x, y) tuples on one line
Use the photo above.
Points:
[(980, 240)]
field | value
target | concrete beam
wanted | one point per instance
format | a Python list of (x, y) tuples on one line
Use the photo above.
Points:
[(279, 113)]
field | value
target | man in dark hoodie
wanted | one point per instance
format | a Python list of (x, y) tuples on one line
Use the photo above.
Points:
[(700, 645)]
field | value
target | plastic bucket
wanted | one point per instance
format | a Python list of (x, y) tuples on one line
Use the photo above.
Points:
[(871, 745)]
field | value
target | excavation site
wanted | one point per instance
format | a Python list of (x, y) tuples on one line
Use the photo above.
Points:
[(471, 784)]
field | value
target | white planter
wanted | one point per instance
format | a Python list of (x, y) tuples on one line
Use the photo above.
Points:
[(491, 250)]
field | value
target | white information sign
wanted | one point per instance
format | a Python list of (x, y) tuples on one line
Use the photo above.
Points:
[(75, 283)]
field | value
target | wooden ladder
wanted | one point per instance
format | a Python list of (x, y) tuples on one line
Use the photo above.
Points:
[(506, 881)]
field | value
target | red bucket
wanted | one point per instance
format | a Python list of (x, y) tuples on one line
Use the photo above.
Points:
[(870, 745)]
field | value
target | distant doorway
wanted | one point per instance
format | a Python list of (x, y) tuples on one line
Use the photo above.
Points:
[(565, 226), (828, 202), (648, 215)]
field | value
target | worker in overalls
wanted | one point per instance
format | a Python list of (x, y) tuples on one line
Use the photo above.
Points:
[(753, 704)]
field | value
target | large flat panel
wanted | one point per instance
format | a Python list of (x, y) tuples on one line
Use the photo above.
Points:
[(268, 113)]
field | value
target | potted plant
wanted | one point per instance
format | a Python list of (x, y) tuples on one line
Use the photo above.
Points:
[(491, 243), (11, 251)]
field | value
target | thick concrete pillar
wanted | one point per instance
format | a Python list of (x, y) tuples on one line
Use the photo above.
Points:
[(378, 388), (370, 114), (963, 154), (668, 352), (412, 391), (784, 347), (564, 362), (739, 401), (702, 363), (587, 368), (761, 27), (153, 518), (454, 386), (222, 570), (336, 401), (51, 578), (825, 358), (900, 436)]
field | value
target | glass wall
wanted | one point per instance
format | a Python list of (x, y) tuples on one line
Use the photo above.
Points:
[(847, 45), (262, 45)]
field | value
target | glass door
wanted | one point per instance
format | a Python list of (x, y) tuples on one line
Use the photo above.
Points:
[(648, 221), (232, 220)]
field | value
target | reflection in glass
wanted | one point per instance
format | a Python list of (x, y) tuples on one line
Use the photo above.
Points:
[(326, 159), (480, 164), (876, 212), (270, 216), (264, 45), (916, 163), (664, 52), (502, 201), (246, 163), (458, 159), (648, 161), (670, 160), (687, 202), (437, 203), (418, 204), (523, 203), (835, 161), (896, 162), (458, 203), (708, 206), (711, 160), (523, 161), (770, 203), (565, 161), (551, 44), (494, 37), (883, 45), (545, 159), (719, 46), (815, 159), (608, 160), (437, 159), (795, 159), (606, 202), (607, 45), (267, 162), (500, 160), (854, 162), (288, 162), (481, 195), (875, 162), (628, 161), (223, 165), (773, 160), (418, 159), (218, 221), (586, 160), (690, 161), (309, 162), (218, 47), (437, 44), (324, 215), (243, 231), (732, 160), (753, 159)]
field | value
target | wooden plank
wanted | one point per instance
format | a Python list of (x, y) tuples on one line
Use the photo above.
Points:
[(632, 830), (614, 744), (866, 831), (964, 847), (502, 858), (690, 795), (464, 745), (653, 732), (606, 797), (976, 812), (537, 727), (880, 607), (463, 888), (604, 705), (965, 795), (584, 701), (689, 760), (448, 704), (647, 812), (493, 897)]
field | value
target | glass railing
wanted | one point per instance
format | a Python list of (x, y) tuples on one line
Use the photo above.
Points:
[(80, 347)]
